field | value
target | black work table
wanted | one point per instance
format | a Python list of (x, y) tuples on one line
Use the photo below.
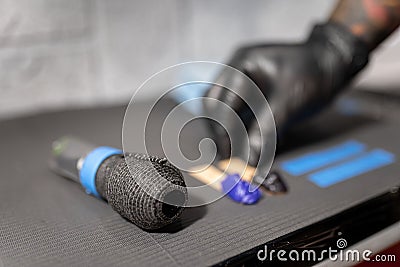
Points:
[(46, 220)]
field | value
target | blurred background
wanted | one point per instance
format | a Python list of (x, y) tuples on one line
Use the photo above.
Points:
[(56, 54)]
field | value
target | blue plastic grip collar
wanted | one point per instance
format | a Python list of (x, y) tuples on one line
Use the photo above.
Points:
[(91, 164), (239, 190)]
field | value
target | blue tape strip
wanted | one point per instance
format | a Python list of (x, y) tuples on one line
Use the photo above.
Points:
[(91, 164), (316, 160), (372, 160), (239, 190)]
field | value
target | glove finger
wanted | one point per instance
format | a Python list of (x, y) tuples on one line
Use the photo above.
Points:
[(228, 89)]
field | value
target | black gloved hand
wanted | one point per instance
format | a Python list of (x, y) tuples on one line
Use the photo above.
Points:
[(297, 80)]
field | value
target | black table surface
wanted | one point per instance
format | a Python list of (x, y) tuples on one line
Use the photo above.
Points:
[(46, 220)]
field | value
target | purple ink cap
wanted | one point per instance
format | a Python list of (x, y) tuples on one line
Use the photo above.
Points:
[(239, 190)]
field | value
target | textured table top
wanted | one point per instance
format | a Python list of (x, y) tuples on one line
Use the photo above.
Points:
[(46, 220)]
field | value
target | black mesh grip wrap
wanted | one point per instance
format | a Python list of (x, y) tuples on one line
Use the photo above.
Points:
[(135, 191)]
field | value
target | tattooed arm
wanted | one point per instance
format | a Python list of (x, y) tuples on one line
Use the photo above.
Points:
[(370, 20)]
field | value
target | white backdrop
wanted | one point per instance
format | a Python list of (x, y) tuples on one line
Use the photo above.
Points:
[(62, 53)]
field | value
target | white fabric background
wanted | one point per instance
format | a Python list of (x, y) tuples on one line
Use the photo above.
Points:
[(62, 53)]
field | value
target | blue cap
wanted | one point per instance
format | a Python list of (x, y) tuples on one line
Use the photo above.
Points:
[(91, 164), (240, 190)]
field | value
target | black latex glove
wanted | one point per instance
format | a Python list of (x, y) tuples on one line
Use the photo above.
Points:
[(297, 80)]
